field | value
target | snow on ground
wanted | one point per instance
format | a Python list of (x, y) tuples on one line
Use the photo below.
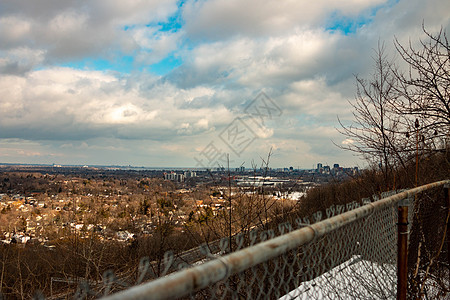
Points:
[(290, 195), (355, 279), (296, 195)]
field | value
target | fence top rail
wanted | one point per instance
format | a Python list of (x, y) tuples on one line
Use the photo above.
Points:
[(182, 283)]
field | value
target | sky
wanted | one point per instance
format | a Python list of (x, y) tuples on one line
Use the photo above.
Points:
[(162, 83)]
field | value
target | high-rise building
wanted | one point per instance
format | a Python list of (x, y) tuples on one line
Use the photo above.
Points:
[(190, 174), (179, 177), (174, 177)]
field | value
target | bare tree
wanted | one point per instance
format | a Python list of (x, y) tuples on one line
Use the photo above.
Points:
[(375, 132), (424, 89), (398, 115)]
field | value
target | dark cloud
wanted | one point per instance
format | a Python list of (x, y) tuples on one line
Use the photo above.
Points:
[(68, 30)]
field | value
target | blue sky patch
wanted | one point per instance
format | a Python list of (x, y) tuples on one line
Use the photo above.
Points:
[(123, 64), (166, 65), (350, 24)]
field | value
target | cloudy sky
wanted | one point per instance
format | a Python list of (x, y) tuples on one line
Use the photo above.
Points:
[(182, 83)]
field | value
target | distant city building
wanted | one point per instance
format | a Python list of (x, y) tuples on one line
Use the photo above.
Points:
[(190, 174), (180, 177), (169, 176), (319, 168), (174, 177)]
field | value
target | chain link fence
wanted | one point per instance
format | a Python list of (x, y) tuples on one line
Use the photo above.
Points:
[(429, 245), (346, 263), (351, 254)]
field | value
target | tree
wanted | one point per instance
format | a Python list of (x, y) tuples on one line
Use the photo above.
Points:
[(401, 115), (375, 131), (424, 89)]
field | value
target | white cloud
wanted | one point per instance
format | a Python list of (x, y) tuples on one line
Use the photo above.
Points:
[(125, 114), (20, 60), (133, 11), (67, 23), (13, 30), (76, 104), (314, 97), (202, 123), (347, 142), (222, 19)]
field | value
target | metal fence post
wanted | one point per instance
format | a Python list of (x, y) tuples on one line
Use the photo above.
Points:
[(402, 249), (447, 203)]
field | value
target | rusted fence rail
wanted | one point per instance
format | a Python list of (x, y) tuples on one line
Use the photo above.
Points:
[(353, 253)]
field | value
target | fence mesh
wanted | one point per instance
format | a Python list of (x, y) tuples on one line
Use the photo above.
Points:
[(357, 261), (428, 258)]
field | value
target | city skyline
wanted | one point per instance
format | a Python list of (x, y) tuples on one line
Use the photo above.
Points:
[(314, 166)]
